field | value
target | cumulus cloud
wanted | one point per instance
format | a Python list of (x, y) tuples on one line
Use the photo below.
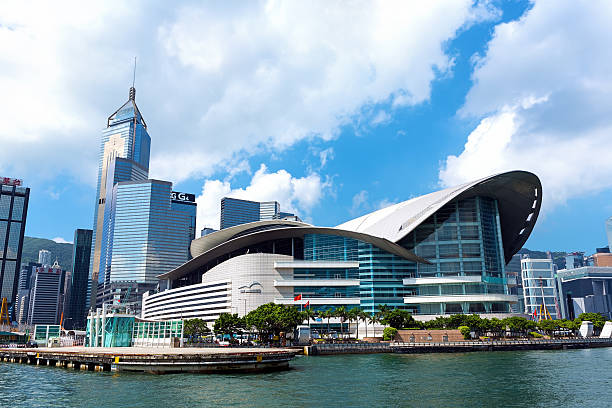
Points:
[(215, 81), (543, 93), (294, 194)]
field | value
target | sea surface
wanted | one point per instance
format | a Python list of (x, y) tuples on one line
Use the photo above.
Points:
[(486, 379)]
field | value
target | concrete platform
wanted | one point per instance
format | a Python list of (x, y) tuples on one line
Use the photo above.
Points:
[(155, 360)]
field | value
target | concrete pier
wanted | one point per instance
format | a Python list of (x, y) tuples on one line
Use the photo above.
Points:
[(154, 360)]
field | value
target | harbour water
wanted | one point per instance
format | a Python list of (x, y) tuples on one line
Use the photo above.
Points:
[(516, 379)]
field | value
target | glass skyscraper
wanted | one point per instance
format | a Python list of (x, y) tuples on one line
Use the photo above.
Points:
[(81, 253), (147, 234), (13, 210), (235, 211), (124, 156)]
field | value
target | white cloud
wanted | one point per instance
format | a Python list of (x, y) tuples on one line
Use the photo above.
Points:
[(380, 118), (61, 240), (214, 81), (325, 155), (543, 91), (294, 194), (360, 202)]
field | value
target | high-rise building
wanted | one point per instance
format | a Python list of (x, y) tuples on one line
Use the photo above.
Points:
[(207, 230), (147, 234), (77, 300), (44, 257), (235, 211), (124, 156), (23, 291), (574, 260), (539, 288), (185, 203), (13, 210), (45, 294)]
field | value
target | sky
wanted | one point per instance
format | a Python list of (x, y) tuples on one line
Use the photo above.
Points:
[(334, 109)]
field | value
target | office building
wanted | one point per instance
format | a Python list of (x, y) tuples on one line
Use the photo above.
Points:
[(438, 254), (44, 257), (13, 211), (609, 233), (585, 290), (23, 291), (79, 279), (147, 233), (185, 203), (124, 156), (574, 260), (235, 211), (539, 288), (45, 294), (601, 259)]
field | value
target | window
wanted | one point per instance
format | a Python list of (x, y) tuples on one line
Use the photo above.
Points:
[(471, 250), (449, 251)]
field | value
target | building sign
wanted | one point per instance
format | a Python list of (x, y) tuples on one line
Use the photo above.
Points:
[(10, 181), (183, 197)]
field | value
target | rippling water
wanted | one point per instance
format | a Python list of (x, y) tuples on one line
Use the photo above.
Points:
[(517, 379)]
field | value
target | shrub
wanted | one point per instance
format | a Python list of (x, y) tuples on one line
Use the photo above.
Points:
[(465, 330), (535, 335), (389, 333)]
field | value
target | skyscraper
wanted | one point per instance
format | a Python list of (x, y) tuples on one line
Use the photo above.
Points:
[(45, 295), (149, 233), (81, 253), (13, 210), (44, 257), (235, 211), (609, 232), (540, 293), (124, 156)]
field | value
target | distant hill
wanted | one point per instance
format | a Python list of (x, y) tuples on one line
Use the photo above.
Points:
[(31, 246), (558, 257)]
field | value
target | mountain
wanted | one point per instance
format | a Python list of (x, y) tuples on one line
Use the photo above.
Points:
[(558, 257), (31, 246)]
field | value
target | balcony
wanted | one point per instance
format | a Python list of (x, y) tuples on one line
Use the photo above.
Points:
[(316, 264), (490, 297), (446, 280), (318, 301)]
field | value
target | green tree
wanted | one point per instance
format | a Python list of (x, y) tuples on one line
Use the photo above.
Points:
[(364, 317), (342, 314), (496, 326), (327, 314), (382, 311), (398, 318), (309, 314), (569, 325), (272, 319), (228, 323), (353, 316), (194, 329), (389, 333), (595, 318), (548, 326)]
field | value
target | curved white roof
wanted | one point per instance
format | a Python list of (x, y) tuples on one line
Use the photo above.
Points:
[(518, 194)]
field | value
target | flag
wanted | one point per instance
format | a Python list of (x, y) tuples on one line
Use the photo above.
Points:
[(298, 297), (307, 304)]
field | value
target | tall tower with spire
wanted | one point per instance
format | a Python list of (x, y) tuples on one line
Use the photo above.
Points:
[(124, 156)]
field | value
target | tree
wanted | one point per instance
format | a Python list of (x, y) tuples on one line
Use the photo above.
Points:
[(272, 319), (228, 323), (364, 317), (382, 311), (398, 318), (548, 326), (595, 318), (569, 325), (353, 315), (496, 326), (309, 314), (342, 314), (327, 314), (195, 328), (519, 325)]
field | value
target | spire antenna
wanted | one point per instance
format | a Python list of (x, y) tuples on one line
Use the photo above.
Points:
[(132, 89)]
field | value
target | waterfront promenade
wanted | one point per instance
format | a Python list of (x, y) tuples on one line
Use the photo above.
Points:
[(154, 360)]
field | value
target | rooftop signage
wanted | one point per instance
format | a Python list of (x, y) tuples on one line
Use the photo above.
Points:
[(10, 181), (183, 197)]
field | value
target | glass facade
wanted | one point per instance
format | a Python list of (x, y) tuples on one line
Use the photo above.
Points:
[(81, 252), (147, 235), (235, 211), (539, 290), (124, 156), (13, 211)]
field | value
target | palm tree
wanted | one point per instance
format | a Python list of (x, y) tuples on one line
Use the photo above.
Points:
[(327, 314), (364, 316), (309, 313), (341, 313), (353, 315), (376, 318)]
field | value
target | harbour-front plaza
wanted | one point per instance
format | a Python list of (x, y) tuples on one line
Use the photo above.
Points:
[(438, 254)]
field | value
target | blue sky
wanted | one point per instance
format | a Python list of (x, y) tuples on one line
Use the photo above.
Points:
[(334, 111)]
